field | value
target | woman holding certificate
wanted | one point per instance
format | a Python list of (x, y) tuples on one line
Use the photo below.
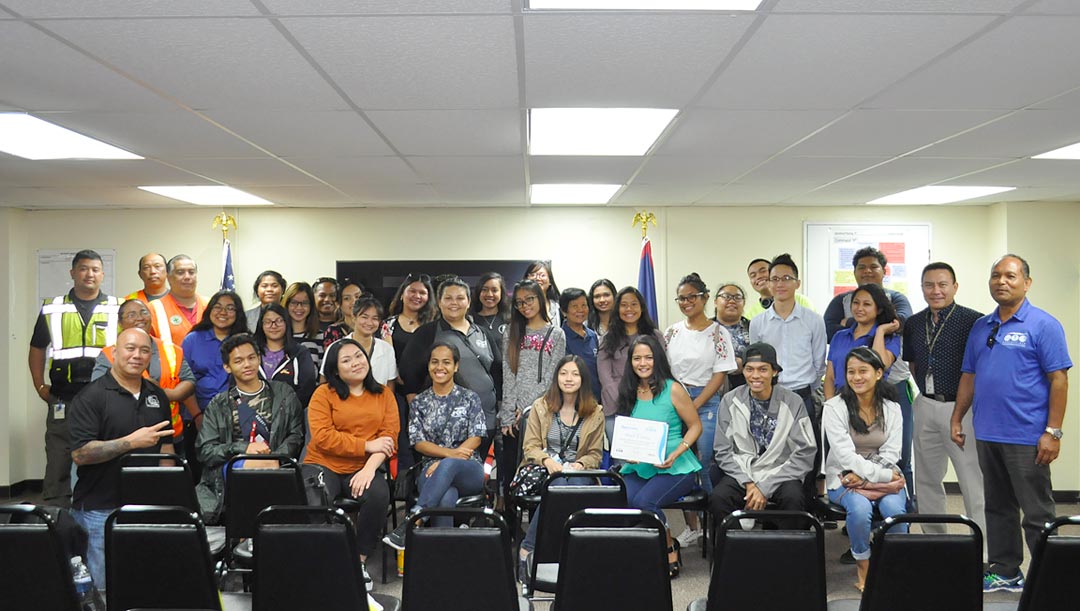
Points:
[(648, 391)]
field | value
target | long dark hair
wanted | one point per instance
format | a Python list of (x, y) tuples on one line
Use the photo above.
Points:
[(426, 313), (517, 327), (333, 377), (553, 289), (260, 333), (504, 297), (239, 325), (594, 316), (882, 390), (886, 313), (585, 403), (661, 373), (311, 323), (616, 336)]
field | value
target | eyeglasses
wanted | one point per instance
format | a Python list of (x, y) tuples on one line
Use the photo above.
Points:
[(136, 315), (681, 299), (731, 297), (992, 338), (528, 301), (277, 322), (782, 279), (299, 304), (538, 274), (426, 279), (224, 308)]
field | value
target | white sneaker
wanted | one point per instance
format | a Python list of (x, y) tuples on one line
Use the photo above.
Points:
[(689, 537)]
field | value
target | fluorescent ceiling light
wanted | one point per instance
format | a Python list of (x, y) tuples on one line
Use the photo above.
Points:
[(652, 5), (938, 194), (572, 194), (1066, 152), (31, 138), (209, 195), (596, 131)]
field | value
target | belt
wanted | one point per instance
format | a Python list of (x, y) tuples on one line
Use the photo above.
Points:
[(942, 398)]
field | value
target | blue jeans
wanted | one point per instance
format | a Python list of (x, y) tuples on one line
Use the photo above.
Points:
[(659, 490), (860, 511), (93, 522), (452, 479), (704, 445)]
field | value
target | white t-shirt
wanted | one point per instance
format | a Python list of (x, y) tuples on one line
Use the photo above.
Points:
[(383, 361), (696, 355)]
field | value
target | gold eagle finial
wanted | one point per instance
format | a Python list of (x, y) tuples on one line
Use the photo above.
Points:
[(225, 221), (644, 218)]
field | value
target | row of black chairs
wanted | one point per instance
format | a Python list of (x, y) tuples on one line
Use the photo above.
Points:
[(783, 570)]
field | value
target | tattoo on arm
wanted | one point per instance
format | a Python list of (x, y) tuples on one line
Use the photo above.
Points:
[(96, 452)]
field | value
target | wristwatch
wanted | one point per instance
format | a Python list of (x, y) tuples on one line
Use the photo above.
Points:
[(1055, 433)]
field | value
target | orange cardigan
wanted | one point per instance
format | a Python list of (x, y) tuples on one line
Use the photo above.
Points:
[(339, 428)]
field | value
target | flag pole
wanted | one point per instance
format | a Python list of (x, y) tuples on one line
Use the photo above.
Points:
[(646, 273), (225, 221)]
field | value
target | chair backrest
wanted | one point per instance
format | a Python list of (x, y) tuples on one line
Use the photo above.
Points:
[(1051, 583), (559, 502), (35, 571), (305, 565), (158, 557), (249, 491), (924, 571), (145, 482), (476, 560), (747, 564)]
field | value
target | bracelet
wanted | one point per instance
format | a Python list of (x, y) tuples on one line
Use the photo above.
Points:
[(685, 444), (40, 386)]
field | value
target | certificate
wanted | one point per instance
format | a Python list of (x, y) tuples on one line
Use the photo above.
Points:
[(639, 440)]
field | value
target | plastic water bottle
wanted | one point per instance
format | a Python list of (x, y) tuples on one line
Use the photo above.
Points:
[(84, 585)]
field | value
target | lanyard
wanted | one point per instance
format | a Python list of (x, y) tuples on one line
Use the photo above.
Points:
[(931, 342), (570, 437)]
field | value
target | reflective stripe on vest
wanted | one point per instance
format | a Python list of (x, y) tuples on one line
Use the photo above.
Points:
[(68, 339), (161, 321)]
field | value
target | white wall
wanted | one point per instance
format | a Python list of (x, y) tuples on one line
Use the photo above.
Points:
[(584, 244)]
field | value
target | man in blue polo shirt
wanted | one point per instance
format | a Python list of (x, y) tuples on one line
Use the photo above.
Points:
[(1015, 375)]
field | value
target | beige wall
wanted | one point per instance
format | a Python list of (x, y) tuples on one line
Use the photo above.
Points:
[(583, 244)]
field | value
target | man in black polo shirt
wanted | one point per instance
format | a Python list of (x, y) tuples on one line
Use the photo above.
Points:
[(116, 414), (934, 341)]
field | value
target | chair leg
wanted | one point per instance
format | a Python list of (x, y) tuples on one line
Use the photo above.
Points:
[(705, 534)]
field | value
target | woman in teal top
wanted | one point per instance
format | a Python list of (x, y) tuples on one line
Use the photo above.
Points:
[(649, 391)]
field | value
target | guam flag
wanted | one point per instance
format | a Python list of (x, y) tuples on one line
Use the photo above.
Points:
[(646, 280), (228, 280)]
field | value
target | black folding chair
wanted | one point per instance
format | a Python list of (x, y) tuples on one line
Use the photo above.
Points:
[(1051, 583), (158, 557), (746, 563), (144, 481), (476, 560), (922, 571), (557, 505), (631, 547), (35, 569), (305, 565), (249, 491)]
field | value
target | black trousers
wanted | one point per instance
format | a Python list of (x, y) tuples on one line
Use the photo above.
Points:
[(729, 496), (372, 514)]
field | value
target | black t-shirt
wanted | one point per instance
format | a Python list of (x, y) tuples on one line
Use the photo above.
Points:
[(41, 338), (104, 411)]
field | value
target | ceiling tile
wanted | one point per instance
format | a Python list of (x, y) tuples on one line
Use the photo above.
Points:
[(644, 194), (1055, 7), (244, 173), (343, 172), (341, 133), (889, 132), (416, 62), (892, 6), (509, 170), (168, 134), (459, 193), (911, 172), (394, 194), (1014, 65), (128, 8), (208, 64), (802, 62), (812, 171), (386, 7), (666, 170), (451, 132), (598, 170), (1030, 173), (1021, 134), (752, 194), (316, 196), (18, 172), (753, 133), (38, 73), (628, 60)]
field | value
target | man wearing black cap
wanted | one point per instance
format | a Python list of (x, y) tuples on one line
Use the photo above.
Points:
[(764, 441)]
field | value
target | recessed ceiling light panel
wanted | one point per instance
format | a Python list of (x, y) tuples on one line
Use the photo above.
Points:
[(1066, 152), (596, 131), (937, 194), (29, 137), (572, 194), (209, 195)]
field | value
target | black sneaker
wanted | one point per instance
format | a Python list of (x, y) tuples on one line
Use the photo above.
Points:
[(396, 538), (847, 557)]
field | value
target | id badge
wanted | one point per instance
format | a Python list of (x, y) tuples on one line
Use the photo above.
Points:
[(59, 410), (930, 383)]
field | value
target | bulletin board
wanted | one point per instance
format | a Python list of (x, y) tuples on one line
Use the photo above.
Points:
[(829, 247), (54, 271)]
